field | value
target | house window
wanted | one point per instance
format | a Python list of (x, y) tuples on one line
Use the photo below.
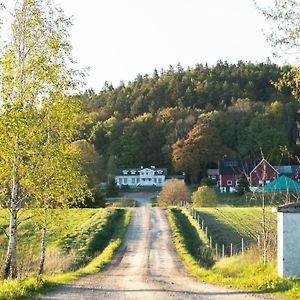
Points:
[(137, 180), (155, 180), (237, 182), (132, 180), (120, 181), (125, 180), (159, 180), (229, 182)]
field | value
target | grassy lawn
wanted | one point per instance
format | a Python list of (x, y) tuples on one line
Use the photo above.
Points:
[(243, 271), (230, 224), (80, 242)]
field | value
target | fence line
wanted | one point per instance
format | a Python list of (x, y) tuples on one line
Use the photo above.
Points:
[(233, 249)]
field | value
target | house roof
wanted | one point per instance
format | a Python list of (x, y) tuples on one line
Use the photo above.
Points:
[(289, 208), (213, 172), (180, 177), (231, 167), (282, 183), (290, 171), (266, 162), (135, 171)]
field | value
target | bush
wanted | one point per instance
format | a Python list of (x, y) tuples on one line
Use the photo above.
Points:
[(208, 182), (112, 189), (173, 192), (204, 197), (125, 187)]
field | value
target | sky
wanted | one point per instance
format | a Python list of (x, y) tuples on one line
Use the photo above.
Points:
[(118, 39)]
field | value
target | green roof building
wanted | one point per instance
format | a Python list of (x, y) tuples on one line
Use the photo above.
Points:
[(282, 183)]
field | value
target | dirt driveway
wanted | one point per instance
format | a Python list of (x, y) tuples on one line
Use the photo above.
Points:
[(146, 267)]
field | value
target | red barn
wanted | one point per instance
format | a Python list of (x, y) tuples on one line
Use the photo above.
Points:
[(262, 174), (230, 172)]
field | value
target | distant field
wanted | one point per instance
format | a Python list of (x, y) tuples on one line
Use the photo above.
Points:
[(74, 237), (230, 224)]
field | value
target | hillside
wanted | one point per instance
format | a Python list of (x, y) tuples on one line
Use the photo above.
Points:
[(233, 108)]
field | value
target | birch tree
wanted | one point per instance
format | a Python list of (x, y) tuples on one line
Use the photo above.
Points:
[(35, 80)]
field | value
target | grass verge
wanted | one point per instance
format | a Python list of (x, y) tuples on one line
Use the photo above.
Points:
[(38, 286), (239, 271)]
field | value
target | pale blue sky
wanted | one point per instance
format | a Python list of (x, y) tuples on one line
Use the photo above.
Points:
[(120, 38)]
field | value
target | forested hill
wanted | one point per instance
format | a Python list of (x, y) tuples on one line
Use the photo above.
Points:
[(202, 87), (165, 118)]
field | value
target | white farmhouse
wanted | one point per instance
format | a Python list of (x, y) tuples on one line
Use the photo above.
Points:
[(141, 177)]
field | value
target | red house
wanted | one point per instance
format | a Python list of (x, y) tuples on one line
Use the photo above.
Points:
[(257, 172), (230, 172), (262, 174)]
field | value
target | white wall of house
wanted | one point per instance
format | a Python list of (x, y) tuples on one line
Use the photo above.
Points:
[(288, 244), (144, 177)]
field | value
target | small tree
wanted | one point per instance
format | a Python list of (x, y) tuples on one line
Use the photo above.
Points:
[(243, 185), (204, 197), (173, 192), (112, 189)]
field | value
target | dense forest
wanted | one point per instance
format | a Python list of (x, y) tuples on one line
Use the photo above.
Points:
[(187, 119)]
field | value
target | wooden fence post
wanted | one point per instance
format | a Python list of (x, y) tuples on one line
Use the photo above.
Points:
[(231, 249), (242, 246), (223, 250)]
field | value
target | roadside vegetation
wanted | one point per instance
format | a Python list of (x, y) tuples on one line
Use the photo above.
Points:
[(243, 271), (80, 242)]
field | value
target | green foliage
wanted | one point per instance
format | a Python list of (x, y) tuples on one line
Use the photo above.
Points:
[(91, 161), (141, 122), (208, 182), (243, 186), (204, 197), (112, 189)]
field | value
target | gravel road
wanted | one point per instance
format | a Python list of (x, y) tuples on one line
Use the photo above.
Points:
[(147, 267)]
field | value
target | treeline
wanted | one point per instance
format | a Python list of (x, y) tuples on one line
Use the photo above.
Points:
[(187, 119)]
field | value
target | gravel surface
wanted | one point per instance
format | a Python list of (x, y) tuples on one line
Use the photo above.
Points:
[(147, 267)]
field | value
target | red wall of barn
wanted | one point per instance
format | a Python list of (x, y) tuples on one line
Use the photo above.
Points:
[(258, 174), (225, 178)]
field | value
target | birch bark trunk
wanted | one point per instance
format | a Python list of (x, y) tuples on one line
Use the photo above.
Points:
[(43, 245), (10, 265)]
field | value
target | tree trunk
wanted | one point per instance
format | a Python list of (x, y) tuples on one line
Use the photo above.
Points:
[(10, 265), (43, 246)]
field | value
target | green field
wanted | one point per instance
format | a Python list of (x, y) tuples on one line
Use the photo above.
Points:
[(244, 271), (230, 224), (74, 237)]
